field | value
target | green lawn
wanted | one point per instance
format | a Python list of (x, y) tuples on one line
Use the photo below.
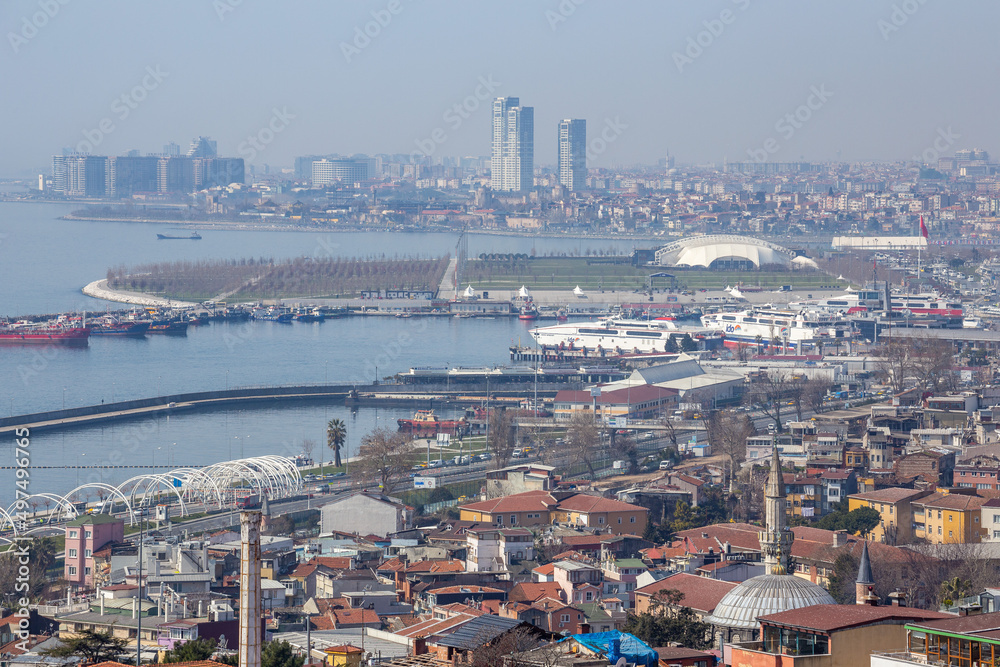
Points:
[(566, 273)]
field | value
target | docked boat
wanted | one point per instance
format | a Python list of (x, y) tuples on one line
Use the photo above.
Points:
[(528, 312), (313, 315), (272, 314), (928, 304), (168, 327), (115, 327), (771, 327), (34, 333), (195, 236), (612, 334), (425, 421)]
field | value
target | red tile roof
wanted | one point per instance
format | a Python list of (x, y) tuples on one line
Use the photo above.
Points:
[(890, 495), (531, 591), (951, 501), (342, 617), (833, 617), (332, 562), (432, 566), (529, 501), (700, 593), (583, 503)]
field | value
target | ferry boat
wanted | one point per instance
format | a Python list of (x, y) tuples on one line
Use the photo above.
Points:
[(34, 333), (867, 300), (425, 421), (612, 333), (790, 328)]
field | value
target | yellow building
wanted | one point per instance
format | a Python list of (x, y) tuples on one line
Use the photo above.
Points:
[(343, 656), (894, 505), (948, 518)]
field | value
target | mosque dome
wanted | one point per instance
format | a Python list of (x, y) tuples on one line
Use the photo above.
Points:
[(766, 594)]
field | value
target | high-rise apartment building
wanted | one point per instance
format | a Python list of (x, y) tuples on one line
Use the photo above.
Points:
[(345, 170), (573, 153), (129, 175), (512, 165)]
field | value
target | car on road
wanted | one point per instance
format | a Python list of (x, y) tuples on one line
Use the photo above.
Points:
[(664, 465)]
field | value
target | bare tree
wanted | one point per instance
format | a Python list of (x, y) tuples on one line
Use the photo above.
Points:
[(624, 446), (767, 392), (583, 441), (814, 391), (501, 439), (385, 456), (727, 434), (307, 447)]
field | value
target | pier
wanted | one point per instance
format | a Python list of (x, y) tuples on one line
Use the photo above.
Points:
[(392, 395)]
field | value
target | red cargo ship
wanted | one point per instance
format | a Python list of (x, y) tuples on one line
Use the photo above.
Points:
[(27, 333)]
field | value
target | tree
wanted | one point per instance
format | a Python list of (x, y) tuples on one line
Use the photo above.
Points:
[(727, 434), (860, 521), (90, 645), (688, 344), (195, 649), (624, 446), (583, 440), (384, 457), (954, 589), (280, 654), (308, 446), (668, 621), (767, 392), (336, 436), (501, 439), (42, 556), (814, 392)]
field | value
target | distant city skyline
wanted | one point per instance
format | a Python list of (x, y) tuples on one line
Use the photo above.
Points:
[(710, 82)]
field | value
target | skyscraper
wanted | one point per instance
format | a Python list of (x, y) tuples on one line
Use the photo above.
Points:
[(573, 153), (512, 166)]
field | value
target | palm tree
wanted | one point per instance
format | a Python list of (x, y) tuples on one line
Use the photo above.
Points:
[(336, 436)]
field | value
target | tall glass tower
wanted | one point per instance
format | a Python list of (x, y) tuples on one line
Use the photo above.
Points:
[(512, 164), (573, 153)]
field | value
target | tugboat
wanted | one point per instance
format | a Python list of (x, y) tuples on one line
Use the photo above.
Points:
[(528, 312), (425, 421)]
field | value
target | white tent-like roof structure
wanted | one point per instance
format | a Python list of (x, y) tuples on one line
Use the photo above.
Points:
[(577, 291), (523, 292), (704, 250), (469, 291)]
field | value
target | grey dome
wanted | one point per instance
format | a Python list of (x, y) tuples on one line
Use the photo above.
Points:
[(763, 595)]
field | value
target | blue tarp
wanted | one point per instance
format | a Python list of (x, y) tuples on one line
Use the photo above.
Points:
[(631, 647)]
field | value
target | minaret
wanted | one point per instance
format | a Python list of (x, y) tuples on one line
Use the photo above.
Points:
[(265, 514), (865, 580), (776, 538)]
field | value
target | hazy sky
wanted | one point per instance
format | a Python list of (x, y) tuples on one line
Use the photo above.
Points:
[(706, 80)]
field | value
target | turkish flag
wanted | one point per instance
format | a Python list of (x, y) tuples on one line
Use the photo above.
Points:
[(923, 229)]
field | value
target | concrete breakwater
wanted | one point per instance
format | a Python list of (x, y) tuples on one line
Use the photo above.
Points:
[(99, 290)]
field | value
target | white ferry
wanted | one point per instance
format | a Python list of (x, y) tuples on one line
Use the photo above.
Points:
[(612, 334), (867, 300), (789, 328)]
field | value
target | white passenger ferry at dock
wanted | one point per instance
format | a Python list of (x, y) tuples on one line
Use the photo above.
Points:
[(613, 334), (770, 326)]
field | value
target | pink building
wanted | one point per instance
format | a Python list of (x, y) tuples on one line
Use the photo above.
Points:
[(84, 536)]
